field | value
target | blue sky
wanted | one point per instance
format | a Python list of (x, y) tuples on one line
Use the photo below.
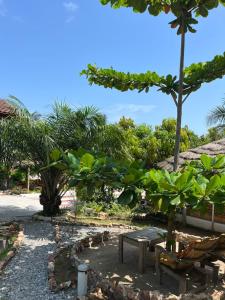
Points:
[(46, 43)]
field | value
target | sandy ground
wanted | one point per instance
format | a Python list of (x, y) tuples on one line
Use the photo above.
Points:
[(105, 260), (23, 206)]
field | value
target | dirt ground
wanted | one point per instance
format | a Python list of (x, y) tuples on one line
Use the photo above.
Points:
[(104, 259)]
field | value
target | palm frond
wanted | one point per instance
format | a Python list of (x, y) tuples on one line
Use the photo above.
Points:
[(217, 116)]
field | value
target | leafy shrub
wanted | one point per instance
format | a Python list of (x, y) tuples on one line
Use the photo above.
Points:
[(18, 176), (92, 209)]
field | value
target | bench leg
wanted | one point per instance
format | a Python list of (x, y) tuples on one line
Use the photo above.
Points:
[(215, 274), (157, 266), (142, 253), (182, 285), (121, 249)]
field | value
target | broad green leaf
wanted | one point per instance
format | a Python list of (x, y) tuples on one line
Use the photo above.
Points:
[(55, 154), (206, 161), (214, 182), (129, 178), (220, 162), (176, 201), (87, 160)]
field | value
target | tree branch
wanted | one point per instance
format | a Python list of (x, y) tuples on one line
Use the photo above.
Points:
[(174, 99), (185, 98)]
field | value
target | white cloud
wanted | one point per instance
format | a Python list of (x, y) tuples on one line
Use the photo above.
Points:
[(70, 6), (70, 19), (3, 10), (134, 111)]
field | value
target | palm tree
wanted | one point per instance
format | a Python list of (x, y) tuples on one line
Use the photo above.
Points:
[(217, 116), (75, 129), (10, 155), (63, 129)]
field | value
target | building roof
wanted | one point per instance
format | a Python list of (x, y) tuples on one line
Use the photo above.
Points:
[(211, 149), (5, 108)]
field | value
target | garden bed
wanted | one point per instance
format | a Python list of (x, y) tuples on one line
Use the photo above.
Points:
[(64, 262), (107, 278), (11, 237)]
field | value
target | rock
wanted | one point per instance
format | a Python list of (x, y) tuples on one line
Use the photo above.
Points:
[(52, 284), (51, 266), (155, 295), (145, 295), (172, 297), (51, 258), (97, 295), (132, 295), (103, 215)]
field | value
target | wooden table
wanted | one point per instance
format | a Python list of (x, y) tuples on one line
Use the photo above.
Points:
[(142, 239)]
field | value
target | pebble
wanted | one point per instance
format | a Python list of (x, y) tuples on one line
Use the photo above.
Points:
[(26, 276)]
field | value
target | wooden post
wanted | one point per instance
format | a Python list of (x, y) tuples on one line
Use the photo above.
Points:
[(28, 179), (213, 218), (157, 264), (184, 216), (121, 248), (142, 253)]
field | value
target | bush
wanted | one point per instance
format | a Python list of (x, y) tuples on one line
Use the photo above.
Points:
[(19, 176), (92, 209)]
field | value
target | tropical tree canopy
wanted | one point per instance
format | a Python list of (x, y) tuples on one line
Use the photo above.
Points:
[(194, 76), (183, 10)]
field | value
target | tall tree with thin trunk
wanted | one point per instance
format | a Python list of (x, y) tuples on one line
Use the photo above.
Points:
[(189, 80)]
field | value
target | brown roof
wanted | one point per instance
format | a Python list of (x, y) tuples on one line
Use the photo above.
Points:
[(5, 108), (211, 149)]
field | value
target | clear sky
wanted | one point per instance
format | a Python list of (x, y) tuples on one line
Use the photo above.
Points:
[(44, 44)]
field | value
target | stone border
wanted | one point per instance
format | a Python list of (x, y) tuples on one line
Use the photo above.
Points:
[(75, 249), (17, 243), (112, 290)]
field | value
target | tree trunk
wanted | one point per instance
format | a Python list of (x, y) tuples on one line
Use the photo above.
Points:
[(50, 196), (50, 202), (170, 243), (179, 104), (170, 238)]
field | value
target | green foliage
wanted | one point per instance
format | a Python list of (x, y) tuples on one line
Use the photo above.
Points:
[(152, 145), (113, 209), (190, 79), (184, 11), (194, 76), (209, 166), (217, 116)]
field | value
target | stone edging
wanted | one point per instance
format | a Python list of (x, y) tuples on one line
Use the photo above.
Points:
[(75, 249), (112, 290), (17, 243)]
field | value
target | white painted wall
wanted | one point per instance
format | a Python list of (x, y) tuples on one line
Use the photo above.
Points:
[(200, 223)]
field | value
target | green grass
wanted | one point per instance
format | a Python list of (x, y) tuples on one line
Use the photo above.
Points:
[(89, 220), (8, 248)]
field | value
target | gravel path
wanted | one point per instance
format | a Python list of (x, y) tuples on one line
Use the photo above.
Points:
[(25, 277)]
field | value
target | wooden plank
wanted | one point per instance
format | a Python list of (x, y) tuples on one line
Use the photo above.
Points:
[(142, 254), (121, 248)]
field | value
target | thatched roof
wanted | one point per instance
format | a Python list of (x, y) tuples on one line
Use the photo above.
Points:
[(211, 149), (5, 108)]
